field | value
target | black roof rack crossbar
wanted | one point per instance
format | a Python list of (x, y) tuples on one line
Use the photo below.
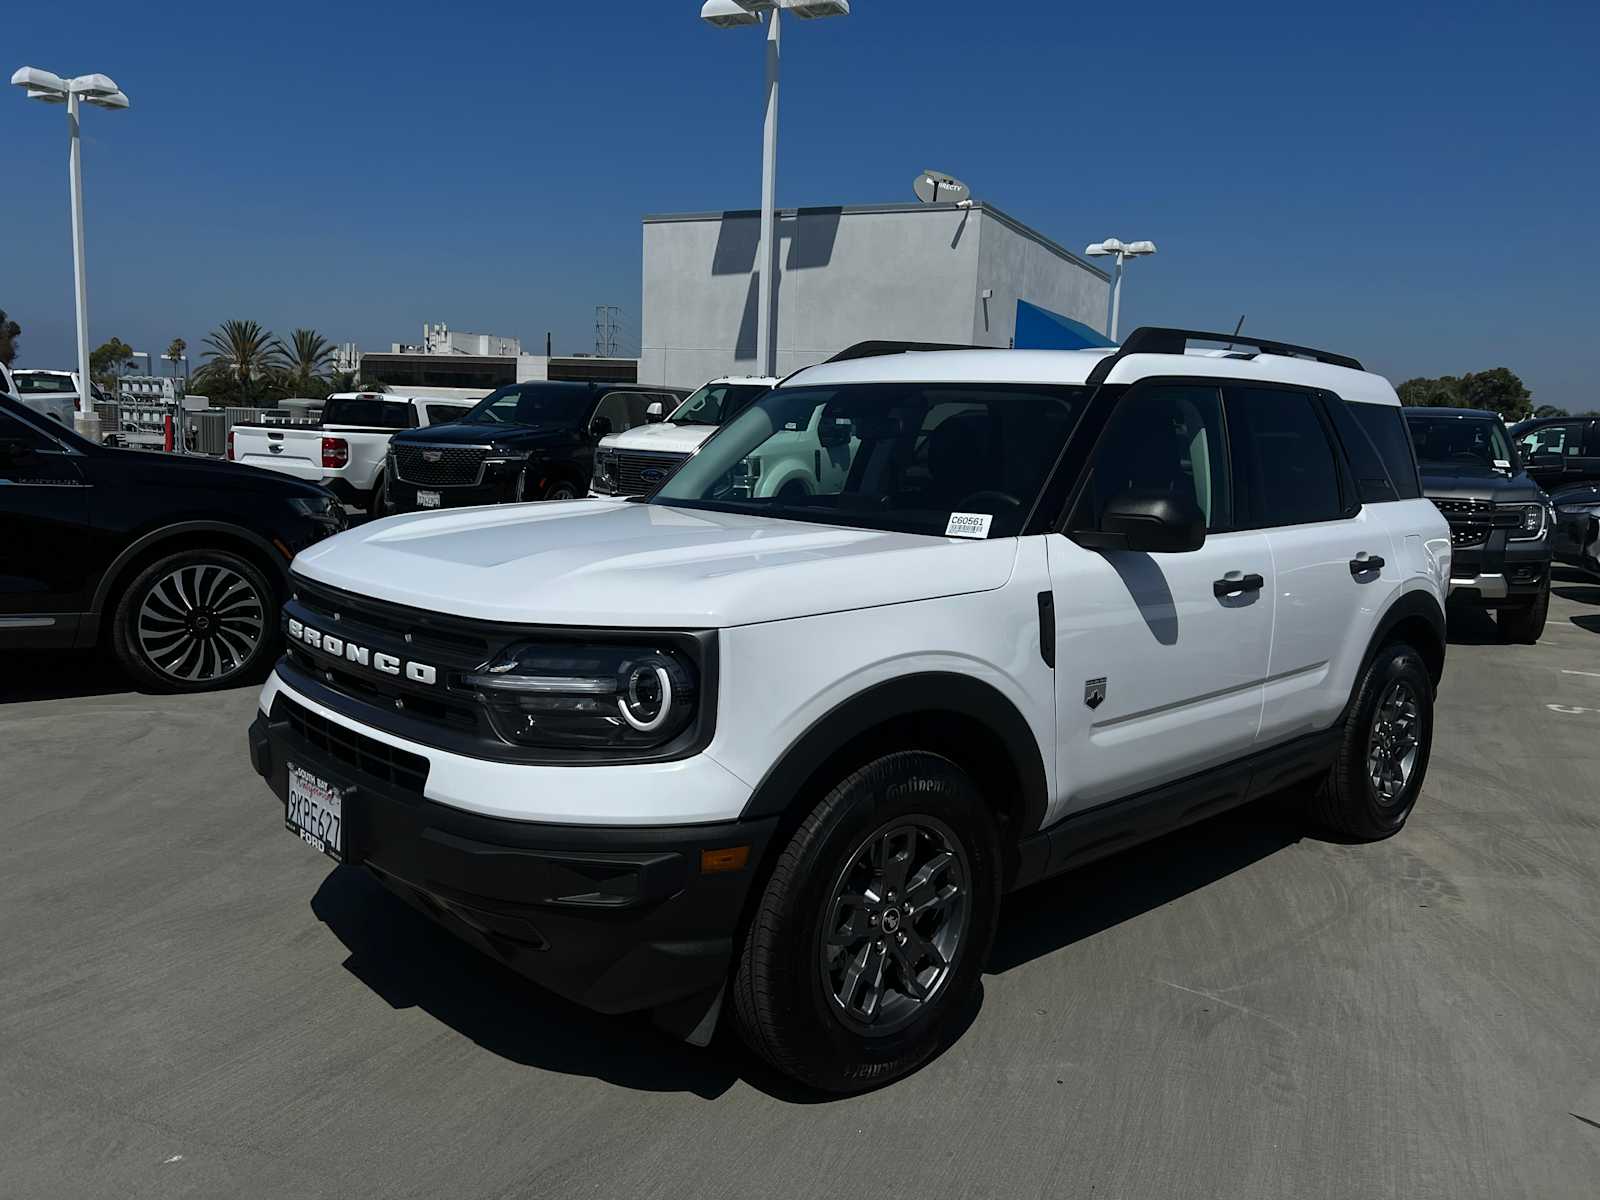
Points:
[(874, 349), (1149, 339)]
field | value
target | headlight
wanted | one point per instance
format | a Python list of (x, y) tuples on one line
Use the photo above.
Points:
[(1531, 523), (1589, 508), (326, 509), (605, 471), (595, 697)]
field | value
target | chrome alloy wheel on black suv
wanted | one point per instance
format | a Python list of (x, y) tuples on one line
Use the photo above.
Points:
[(196, 620)]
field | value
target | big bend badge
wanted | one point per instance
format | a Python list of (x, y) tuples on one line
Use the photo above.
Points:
[(1094, 692)]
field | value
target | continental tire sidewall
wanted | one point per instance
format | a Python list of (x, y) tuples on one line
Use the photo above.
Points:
[(1363, 813), (830, 1055)]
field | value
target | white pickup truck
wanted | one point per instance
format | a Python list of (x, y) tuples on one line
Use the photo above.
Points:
[(346, 451)]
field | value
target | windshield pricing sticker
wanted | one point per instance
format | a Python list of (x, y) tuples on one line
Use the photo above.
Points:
[(969, 525)]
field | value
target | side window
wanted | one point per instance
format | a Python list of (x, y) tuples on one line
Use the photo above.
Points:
[(443, 414), (1385, 424), (1559, 440), (13, 430), (1164, 438), (615, 409), (1283, 462), (1366, 464)]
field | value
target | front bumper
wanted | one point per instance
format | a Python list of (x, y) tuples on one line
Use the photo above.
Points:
[(1499, 572), (616, 919)]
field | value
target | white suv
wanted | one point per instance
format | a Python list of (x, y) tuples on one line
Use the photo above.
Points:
[(791, 752), (635, 462)]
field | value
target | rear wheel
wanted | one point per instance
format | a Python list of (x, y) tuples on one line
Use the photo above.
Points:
[(1525, 622), (873, 930), (193, 621), (561, 489), (1388, 735), (379, 505)]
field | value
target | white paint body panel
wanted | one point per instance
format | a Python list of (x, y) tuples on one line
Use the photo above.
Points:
[(300, 453)]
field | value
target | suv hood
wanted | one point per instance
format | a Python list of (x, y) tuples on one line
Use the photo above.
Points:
[(497, 434), (615, 563), (1478, 483), (662, 438)]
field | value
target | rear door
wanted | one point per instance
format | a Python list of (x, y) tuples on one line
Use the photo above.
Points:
[(1160, 657), (1333, 561), (44, 536)]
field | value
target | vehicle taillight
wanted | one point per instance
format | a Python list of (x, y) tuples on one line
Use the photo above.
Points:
[(335, 452), (230, 445)]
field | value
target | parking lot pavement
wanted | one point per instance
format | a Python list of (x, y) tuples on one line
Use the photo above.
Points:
[(194, 1003)]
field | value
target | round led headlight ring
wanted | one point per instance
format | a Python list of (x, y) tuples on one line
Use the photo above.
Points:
[(646, 700)]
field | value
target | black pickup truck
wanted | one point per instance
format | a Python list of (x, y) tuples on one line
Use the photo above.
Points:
[(526, 441), (1500, 519)]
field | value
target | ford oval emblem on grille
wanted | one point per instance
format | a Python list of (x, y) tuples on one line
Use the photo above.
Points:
[(432, 455), (652, 475)]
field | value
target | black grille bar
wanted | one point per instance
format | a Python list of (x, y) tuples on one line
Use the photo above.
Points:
[(439, 466), (382, 762), (631, 469)]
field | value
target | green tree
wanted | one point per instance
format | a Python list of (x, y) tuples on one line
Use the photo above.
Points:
[(174, 354), (108, 361), (1497, 390), (351, 381), (309, 363), (242, 360), (10, 331), (1550, 410)]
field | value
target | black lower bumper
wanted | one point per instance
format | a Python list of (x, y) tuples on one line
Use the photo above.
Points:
[(615, 919), (1500, 572), (402, 496)]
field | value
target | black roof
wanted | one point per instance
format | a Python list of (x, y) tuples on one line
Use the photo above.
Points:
[(1481, 414)]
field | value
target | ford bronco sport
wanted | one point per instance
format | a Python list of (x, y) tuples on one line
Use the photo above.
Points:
[(784, 755)]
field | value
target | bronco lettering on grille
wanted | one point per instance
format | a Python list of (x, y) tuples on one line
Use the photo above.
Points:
[(336, 646)]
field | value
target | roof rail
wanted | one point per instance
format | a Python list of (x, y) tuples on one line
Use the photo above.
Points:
[(874, 349), (1150, 339)]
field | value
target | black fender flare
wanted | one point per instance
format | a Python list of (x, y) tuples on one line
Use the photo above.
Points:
[(927, 692), (164, 533), (1415, 603)]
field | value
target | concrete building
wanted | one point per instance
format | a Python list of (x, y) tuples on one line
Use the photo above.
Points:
[(449, 362), (441, 339), (902, 272)]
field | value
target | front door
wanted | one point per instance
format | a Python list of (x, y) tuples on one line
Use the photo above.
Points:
[(1160, 658), (1555, 454), (44, 517)]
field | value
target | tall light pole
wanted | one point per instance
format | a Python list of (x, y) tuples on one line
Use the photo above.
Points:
[(731, 14), (101, 92), (1123, 251)]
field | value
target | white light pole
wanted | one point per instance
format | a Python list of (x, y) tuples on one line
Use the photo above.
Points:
[(101, 92), (731, 14), (1122, 250)]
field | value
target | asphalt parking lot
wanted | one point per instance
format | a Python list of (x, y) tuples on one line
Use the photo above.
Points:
[(195, 1003)]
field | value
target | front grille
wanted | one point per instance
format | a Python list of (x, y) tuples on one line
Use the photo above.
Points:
[(399, 768), (439, 466), (1472, 521), (630, 469)]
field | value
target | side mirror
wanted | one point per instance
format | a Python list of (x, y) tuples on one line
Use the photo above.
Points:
[(14, 449), (1150, 522), (600, 426), (835, 431), (655, 412)]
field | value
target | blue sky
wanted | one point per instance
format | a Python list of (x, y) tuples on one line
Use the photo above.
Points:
[(1412, 183)]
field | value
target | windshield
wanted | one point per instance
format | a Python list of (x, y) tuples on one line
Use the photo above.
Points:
[(928, 458), (367, 410), (1450, 441), (533, 404), (716, 403)]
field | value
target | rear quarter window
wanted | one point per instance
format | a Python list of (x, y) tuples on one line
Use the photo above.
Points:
[(363, 410), (1385, 425)]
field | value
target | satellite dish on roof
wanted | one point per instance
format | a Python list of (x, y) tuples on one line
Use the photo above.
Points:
[(936, 187)]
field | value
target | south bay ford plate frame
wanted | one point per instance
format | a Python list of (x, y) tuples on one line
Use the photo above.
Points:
[(314, 809)]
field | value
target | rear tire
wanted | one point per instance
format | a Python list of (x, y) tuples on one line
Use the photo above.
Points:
[(195, 621), (889, 888), (379, 508), (561, 490), (1383, 756), (1525, 623)]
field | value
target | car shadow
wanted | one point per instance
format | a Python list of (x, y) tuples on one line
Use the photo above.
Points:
[(410, 962), (59, 675), (1583, 595), (1469, 625), (1590, 624)]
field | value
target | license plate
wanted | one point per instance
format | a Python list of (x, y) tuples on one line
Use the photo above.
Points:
[(314, 809), (427, 499)]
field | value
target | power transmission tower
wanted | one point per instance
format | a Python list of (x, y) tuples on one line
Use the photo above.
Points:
[(607, 330)]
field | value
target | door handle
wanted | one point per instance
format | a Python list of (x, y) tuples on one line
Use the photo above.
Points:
[(1235, 584), (1364, 562)]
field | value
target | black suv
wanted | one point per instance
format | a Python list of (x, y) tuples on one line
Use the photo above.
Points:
[(1500, 520), (1559, 451), (528, 441), (179, 562)]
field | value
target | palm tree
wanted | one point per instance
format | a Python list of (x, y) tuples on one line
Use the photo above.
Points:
[(310, 359), (175, 353), (240, 356)]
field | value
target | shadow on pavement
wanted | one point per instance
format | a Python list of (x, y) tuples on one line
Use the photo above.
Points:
[(59, 675), (411, 963), (1582, 595), (1470, 625), (1589, 623), (1052, 915)]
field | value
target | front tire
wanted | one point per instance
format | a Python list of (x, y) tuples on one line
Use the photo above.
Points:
[(1383, 757), (1525, 623), (195, 621), (561, 489), (873, 930)]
